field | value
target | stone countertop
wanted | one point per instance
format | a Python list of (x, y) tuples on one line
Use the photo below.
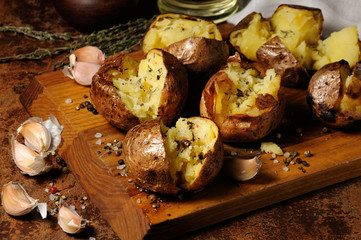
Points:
[(330, 213)]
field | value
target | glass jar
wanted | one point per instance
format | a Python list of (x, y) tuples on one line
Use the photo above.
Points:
[(214, 10)]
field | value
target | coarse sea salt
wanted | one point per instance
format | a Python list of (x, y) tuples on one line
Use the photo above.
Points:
[(68, 100), (98, 142), (98, 135)]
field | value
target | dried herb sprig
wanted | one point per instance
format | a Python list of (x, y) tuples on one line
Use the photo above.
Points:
[(122, 37)]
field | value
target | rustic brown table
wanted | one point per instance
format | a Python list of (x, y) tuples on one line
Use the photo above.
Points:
[(330, 213)]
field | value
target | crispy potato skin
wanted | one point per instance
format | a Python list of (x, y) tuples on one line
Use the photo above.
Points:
[(243, 128), (274, 54), (106, 100), (200, 55), (145, 158), (325, 92), (109, 104)]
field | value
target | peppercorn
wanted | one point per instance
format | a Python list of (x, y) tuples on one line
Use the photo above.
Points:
[(85, 96), (81, 105)]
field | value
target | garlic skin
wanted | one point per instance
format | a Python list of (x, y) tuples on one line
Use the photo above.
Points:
[(36, 135), (83, 64), (69, 220), (29, 161), (16, 201), (241, 169)]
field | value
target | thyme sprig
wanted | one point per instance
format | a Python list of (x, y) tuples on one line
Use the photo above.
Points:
[(122, 37)]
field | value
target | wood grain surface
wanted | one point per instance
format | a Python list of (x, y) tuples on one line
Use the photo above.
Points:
[(131, 212)]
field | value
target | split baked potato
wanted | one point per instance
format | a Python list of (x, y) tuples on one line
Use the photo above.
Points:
[(334, 94), (245, 105), (290, 42), (185, 157), (196, 42), (127, 92)]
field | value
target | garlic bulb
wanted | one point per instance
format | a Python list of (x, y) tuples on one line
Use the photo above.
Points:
[(16, 201), (41, 139), (69, 220), (242, 169), (29, 161), (36, 135), (83, 64)]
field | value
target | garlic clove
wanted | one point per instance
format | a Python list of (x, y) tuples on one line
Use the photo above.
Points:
[(16, 201), (89, 54), (28, 161), (83, 72), (70, 221), (241, 169), (36, 135)]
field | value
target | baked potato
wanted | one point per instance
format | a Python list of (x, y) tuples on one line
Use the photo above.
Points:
[(245, 106), (165, 160), (290, 42), (126, 92), (197, 43), (334, 94)]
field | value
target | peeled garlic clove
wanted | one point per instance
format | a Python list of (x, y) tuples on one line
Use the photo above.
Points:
[(29, 161), (16, 201), (69, 220), (242, 169), (36, 135), (83, 72), (89, 54)]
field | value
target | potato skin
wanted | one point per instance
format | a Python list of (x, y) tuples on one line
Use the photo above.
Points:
[(243, 128), (109, 104), (145, 158), (325, 92), (274, 54), (106, 100), (200, 55)]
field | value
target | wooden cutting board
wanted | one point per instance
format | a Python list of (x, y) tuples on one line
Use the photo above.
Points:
[(136, 214)]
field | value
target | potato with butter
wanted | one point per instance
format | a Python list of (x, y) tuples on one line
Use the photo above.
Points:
[(127, 92), (334, 94), (166, 160), (245, 105), (197, 43)]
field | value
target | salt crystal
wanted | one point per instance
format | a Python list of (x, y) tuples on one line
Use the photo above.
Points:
[(68, 100), (92, 238), (109, 144), (286, 155), (83, 207), (53, 211), (51, 184), (98, 142), (275, 161), (98, 135), (72, 207), (47, 190), (286, 169), (121, 167), (52, 197), (274, 155), (115, 148), (139, 201)]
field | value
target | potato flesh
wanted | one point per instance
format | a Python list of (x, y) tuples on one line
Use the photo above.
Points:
[(168, 30), (293, 26), (141, 93), (239, 96), (351, 101), (339, 45), (253, 37), (186, 147)]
